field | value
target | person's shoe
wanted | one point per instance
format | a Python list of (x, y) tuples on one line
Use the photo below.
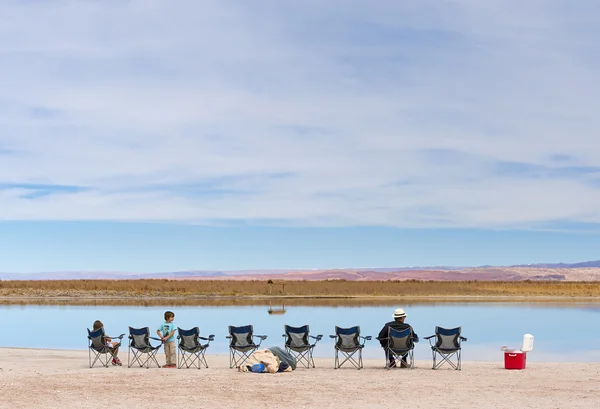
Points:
[(404, 364), (117, 361), (166, 366)]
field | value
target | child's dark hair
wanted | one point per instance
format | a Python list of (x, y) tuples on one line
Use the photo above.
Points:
[(169, 314), (97, 325)]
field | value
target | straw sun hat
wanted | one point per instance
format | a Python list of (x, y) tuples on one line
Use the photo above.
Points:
[(399, 313)]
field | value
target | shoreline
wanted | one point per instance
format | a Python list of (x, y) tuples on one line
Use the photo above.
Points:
[(40, 378), (261, 298)]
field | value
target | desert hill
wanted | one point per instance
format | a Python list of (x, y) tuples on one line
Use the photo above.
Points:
[(585, 271), (467, 274)]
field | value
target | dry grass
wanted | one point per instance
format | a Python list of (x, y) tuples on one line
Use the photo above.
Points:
[(330, 288)]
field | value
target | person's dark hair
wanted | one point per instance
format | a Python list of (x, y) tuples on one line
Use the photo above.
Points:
[(169, 314), (97, 325)]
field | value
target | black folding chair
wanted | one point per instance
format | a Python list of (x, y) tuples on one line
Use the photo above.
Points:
[(447, 345), (241, 344), (348, 342), (97, 344), (191, 350), (139, 346), (297, 343), (399, 349)]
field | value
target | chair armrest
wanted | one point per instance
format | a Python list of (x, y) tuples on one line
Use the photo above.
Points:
[(119, 337), (210, 338), (333, 336), (368, 338), (156, 339), (318, 337), (228, 337), (429, 337), (382, 339), (463, 339), (262, 337)]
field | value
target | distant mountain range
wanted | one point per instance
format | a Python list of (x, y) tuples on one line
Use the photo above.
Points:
[(585, 264), (588, 271)]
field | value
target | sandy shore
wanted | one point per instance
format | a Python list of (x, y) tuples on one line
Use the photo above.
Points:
[(31, 378)]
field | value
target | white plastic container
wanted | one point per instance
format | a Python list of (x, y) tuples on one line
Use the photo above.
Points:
[(527, 343)]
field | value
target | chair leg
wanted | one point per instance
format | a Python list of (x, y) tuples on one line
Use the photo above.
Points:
[(447, 358), (134, 356), (153, 356), (349, 357), (237, 358), (360, 361), (203, 359), (303, 358), (96, 357), (395, 359), (189, 360)]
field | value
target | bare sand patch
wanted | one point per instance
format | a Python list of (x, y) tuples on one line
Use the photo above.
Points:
[(33, 378)]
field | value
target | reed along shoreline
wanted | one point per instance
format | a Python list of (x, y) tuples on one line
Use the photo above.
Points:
[(334, 289)]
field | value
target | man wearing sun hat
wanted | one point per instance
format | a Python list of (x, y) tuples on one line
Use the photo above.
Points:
[(398, 324)]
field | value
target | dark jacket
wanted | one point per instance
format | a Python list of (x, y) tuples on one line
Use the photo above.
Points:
[(398, 325)]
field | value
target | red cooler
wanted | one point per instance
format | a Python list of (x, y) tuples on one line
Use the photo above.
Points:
[(515, 360)]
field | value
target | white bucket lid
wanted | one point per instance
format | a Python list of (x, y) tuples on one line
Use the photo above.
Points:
[(527, 343)]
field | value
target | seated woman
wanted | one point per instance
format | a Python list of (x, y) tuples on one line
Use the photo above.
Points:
[(113, 345)]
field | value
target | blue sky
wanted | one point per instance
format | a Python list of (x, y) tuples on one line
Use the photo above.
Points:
[(159, 247), (298, 134)]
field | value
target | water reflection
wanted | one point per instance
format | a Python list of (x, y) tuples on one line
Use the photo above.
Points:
[(487, 325), (278, 309), (279, 303)]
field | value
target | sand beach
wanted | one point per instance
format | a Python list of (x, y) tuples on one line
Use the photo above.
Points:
[(33, 378)]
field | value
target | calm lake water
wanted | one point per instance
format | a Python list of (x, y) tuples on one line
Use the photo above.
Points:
[(564, 332)]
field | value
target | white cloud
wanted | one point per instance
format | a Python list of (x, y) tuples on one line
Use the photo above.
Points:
[(417, 114)]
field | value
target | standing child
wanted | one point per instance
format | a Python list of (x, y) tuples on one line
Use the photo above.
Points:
[(166, 332)]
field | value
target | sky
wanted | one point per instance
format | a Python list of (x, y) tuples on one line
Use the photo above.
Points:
[(151, 135)]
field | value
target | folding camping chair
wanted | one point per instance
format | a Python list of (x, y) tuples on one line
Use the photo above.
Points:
[(297, 344), (400, 343), (447, 345), (241, 344), (191, 351), (97, 344), (139, 344), (348, 342)]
